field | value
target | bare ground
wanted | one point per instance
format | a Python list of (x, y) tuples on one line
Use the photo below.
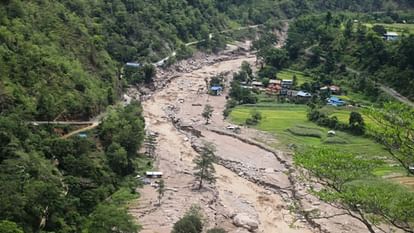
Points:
[(250, 179)]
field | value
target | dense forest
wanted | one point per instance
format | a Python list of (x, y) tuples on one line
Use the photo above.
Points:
[(341, 46), (62, 60)]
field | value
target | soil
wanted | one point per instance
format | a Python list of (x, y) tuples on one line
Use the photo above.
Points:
[(251, 179)]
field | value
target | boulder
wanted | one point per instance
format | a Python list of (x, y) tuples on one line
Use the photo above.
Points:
[(246, 221)]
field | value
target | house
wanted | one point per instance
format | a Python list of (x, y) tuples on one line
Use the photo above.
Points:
[(153, 174), (391, 36), (216, 90), (273, 89), (333, 89), (133, 64), (275, 82), (303, 94), (257, 84), (336, 101), (287, 83)]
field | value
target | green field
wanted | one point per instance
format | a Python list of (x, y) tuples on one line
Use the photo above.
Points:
[(288, 74), (289, 124), (343, 114), (395, 27)]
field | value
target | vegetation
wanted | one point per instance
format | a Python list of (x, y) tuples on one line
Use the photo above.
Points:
[(204, 167), (65, 60), (192, 222), (207, 113), (348, 183), (395, 131), (76, 188), (283, 119), (356, 45), (161, 190), (254, 119)]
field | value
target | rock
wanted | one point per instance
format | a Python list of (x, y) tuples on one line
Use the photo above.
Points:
[(245, 221)]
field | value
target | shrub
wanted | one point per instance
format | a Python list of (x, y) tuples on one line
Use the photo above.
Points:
[(306, 132), (191, 222), (335, 140), (255, 118), (216, 230)]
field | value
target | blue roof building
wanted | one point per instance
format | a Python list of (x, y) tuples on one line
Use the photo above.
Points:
[(336, 101), (216, 90)]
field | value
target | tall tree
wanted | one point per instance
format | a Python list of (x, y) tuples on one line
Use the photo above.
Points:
[(109, 219), (204, 166), (161, 190), (356, 123), (207, 113)]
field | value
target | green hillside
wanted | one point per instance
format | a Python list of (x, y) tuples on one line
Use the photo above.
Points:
[(62, 59)]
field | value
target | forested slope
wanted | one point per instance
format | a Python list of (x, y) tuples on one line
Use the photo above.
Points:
[(61, 59)]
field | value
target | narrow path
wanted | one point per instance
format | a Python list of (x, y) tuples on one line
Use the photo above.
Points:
[(87, 128)]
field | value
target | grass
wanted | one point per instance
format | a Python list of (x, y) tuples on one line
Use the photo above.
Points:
[(396, 27), (283, 119), (305, 131), (343, 114), (289, 124), (288, 74)]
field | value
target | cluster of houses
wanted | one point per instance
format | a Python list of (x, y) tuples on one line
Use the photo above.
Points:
[(284, 89), (281, 88)]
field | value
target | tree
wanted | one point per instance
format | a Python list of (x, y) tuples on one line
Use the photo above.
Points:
[(294, 80), (204, 165), (110, 96), (108, 218), (192, 222), (161, 190), (117, 158), (207, 113), (356, 123), (348, 184), (277, 58), (245, 66), (46, 107), (379, 29), (395, 131), (9, 227), (149, 73), (255, 118)]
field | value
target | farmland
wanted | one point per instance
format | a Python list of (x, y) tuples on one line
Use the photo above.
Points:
[(288, 74), (396, 27), (289, 124)]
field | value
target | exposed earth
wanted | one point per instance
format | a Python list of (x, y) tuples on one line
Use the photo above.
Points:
[(257, 189)]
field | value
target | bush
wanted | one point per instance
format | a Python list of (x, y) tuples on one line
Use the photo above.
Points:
[(255, 118), (335, 140), (306, 132), (216, 230), (191, 222)]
